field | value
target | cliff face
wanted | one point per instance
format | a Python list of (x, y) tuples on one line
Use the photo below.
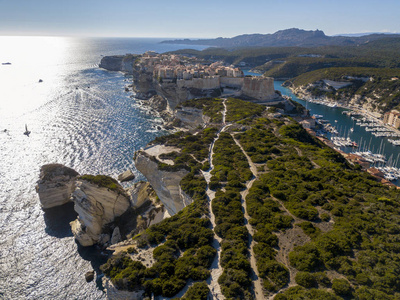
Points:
[(166, 184), (183, 90), (363, 102), (55, 185), (123, 63), (96, 206), (143, 82), (259, 88), (192, 117)]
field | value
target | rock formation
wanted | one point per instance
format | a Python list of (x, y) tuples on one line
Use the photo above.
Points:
[(55, 185), (166, 184), (113, 293), (106, 212), (96, 206), (89, 276), (126, 176), (123, 63), (192, 117)]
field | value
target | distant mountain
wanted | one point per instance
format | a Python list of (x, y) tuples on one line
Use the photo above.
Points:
[(293, 37), (365, 33)]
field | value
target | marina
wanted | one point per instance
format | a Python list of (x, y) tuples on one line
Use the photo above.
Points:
[(355, 133)]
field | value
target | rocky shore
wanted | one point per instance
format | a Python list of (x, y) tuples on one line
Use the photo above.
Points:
[(107, 213), (356, 102)]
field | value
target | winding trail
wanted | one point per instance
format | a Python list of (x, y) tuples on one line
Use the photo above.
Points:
[(216, 269), (258, 290)]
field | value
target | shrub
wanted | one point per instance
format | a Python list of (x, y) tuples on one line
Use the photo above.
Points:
[(341, 287), (305, 279), (198, 291)]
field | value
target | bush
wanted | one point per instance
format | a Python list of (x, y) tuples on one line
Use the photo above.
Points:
[(305, 279), (341, 287), (198, 291)]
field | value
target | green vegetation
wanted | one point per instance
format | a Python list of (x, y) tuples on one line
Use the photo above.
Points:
[(238, 110), (211, 107), (306, 175), (355, 256), (230, 164), (384, 88), (341, 287), (231, 171), (194, 149), (310, 229), (298, 292), (188, 232), (289, 62), (198, 291), (103, 181), (378, 59)]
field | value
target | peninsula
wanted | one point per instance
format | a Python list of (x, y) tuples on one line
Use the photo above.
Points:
[(253, 206)]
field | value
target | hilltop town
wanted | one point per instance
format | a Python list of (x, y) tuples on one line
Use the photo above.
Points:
[(178, 78)]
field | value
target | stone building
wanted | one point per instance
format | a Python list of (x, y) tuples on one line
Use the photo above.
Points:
[(392, 118)]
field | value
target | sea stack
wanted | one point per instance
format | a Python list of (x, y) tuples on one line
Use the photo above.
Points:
[(55, 185)]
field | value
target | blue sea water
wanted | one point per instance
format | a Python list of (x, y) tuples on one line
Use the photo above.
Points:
[(80, 116), (343, 123)]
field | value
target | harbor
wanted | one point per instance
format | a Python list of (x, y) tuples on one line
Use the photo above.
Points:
[(357, 134)]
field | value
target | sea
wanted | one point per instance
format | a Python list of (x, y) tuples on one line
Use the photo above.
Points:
[(79, 115)]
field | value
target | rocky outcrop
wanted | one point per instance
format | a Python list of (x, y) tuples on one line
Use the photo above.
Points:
[(96, 207), (140, 193), (123, 63), (113, 293), (89, 276), (158, 103), (55, 185), (126, 176), (176, 93), (143, 84), (363, 102), (192, 117), (166, 184)]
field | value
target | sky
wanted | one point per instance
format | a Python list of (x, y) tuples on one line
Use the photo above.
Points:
[(194, 19)]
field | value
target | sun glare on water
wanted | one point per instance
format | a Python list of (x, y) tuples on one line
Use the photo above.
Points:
[(33, 72)]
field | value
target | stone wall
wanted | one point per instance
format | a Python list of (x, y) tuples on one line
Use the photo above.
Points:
[(207, 83), (234, 82), (259, 88)]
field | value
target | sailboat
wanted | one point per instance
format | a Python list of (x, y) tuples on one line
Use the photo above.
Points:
[(27, 132)]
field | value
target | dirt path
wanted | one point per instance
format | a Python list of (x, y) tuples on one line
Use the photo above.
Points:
[(216, 269), (258, 290), (289, 239)]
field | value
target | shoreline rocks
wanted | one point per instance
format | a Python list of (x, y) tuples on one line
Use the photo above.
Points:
[(89, 276), (55, 185), (96, 207), (107, 213), (126, 176)]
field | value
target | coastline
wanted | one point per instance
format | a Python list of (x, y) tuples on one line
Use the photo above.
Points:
[(375, 116)]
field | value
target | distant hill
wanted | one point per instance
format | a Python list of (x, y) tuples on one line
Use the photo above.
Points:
[(293, 37)]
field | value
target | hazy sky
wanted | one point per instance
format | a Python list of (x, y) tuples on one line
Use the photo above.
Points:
[(188, 18)]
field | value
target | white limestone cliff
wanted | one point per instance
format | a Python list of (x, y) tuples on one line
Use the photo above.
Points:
[(165, 183), (96, 207), (55, 185)]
